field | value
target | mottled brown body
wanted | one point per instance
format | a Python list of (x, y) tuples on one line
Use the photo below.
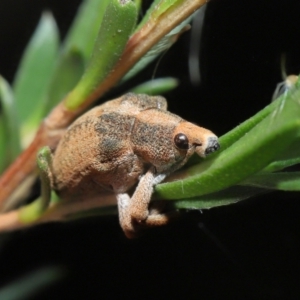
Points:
[(120, 143)]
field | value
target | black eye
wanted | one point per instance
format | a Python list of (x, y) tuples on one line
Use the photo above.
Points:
[(181, 141)]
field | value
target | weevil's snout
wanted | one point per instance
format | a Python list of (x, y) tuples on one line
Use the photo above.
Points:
[(197, 139), (209, 144), (212, 145)]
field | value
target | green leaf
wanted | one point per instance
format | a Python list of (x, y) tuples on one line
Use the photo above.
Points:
[(84, 30), (161, 7), (68, 72), (10, 125), (285, 181), (281, 164), (34, 73), (288, 158), (247, 156), (76, 51), (235, 134), (157, 9), (3, 160), (156, 86), (138, 4), (228, 196), (118, 23)]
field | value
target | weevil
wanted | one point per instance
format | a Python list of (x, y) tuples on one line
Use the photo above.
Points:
[(130, 142)]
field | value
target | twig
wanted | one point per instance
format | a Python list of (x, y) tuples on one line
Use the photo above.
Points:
[(58, 213)]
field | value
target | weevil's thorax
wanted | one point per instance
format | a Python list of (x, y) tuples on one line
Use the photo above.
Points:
[(153, 138)]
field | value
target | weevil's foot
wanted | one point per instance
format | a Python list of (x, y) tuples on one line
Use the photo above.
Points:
[(131, 234), (154, 219), (161, 219), (159, 215), (139, 214)]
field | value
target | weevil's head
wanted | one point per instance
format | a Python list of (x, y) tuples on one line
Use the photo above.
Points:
[(192, 138), (166, 141)]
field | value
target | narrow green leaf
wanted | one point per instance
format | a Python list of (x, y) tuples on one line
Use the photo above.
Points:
[(3, 160), (138, 4), (288, 158), (10, 128), (68, 72), (228, 196), (156, 86), (250, 154), (84, 30), (117, 25), (281, 164), (76, 51), (147, 14), (239, 131), (34, 73), (157, 9), (163, 6), (285, 181)]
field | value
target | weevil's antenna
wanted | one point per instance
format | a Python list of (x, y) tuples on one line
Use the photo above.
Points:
[(283, 66), (157, 63)]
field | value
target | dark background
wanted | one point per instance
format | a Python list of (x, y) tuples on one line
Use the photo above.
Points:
[(244, 251)]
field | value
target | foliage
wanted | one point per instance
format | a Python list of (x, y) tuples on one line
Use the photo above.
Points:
[(254, 156), (251, 154)]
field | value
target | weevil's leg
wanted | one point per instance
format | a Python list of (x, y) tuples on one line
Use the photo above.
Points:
[(160, 219), (139, 203), (158, 216), (134, 210), (124, 215), (44, 160), (35, 210)]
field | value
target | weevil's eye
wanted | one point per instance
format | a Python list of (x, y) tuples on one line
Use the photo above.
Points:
[(181, 141)]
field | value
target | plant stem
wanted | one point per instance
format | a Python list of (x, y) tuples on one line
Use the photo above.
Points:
[(60, 212)]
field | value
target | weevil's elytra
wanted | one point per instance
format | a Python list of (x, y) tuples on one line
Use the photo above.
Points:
[(123, 142)]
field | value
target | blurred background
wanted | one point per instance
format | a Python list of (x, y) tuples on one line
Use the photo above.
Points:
[(245, 251)]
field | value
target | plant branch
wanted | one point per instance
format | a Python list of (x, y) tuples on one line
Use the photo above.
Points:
[(60, 212)]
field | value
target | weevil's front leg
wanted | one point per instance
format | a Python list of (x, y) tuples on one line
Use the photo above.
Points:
[(33, 211), (124, 216), (139, 203), (134, 211)]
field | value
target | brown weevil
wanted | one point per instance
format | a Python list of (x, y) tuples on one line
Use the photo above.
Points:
[(126, 142)]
